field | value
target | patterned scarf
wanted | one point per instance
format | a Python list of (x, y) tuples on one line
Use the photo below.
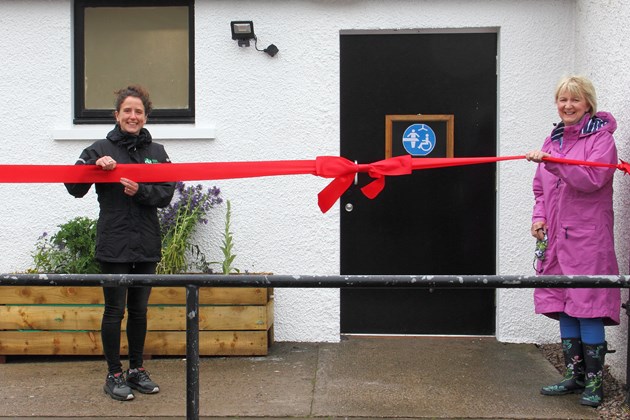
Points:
[(591, 126)]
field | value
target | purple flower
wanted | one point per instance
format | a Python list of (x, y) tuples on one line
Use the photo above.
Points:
[(189, 201)]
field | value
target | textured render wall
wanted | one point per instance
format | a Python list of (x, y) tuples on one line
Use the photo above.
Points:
[(285, 107), (601, 53), (35, 92), (530, 66)]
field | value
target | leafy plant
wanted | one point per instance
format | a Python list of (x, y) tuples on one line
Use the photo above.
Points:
[(228, 243), (227, 266), (178, 221), (70, 250)]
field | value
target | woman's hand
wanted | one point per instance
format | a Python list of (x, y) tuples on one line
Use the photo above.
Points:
[(131, 188), (536, 156), (106, 162), (539, 230)]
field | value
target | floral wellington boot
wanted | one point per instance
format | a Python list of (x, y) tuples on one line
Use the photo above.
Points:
[(573, 381), (594, 359)]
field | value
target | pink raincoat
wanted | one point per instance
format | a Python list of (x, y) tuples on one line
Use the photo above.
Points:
[(576, 203)]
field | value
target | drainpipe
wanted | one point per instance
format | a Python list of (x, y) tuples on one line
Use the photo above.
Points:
[(626, 306)]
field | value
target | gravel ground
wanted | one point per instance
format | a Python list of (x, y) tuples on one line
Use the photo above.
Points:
[(613, 406)]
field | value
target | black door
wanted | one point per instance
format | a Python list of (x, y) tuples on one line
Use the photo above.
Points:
[(438, 221)]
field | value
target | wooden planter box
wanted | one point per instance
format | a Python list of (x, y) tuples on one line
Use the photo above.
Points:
[(43, 320)]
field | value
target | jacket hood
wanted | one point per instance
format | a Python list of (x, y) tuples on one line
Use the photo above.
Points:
[(602, 121), (611, 122)]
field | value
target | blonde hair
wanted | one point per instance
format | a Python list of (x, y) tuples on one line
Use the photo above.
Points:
[(581, 87)]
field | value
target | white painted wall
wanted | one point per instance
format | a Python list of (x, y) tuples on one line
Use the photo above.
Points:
[(287, 107), (601, 53)]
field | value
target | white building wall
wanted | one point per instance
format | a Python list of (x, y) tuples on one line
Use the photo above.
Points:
[(287, 107), (601, 53)]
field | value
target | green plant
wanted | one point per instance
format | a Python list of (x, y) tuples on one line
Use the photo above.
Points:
[(226, 248), (70, 250), (178, 221), (228, 243)]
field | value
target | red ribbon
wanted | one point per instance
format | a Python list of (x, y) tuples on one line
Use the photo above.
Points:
[(622, 166), (342, 170), (152, 173), (402, 165)]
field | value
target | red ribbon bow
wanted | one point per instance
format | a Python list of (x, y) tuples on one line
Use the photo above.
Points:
[(624, 167), (344, 172)]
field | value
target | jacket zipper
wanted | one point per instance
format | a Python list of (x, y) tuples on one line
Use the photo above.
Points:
[(566, 229)]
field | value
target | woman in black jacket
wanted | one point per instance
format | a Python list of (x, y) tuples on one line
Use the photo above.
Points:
[(128, 237)]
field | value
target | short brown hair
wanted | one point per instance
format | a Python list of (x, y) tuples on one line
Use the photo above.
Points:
[(136, 91)]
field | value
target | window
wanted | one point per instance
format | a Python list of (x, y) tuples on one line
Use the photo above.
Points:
[(118, 43)]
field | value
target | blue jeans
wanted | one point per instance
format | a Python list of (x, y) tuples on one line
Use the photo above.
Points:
[(136, 300)]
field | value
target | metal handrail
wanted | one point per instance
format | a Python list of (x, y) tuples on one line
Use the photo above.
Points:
[(192, 282), (318, 281)]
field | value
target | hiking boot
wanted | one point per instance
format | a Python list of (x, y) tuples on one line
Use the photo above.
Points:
[(116, 387), (139, 379)]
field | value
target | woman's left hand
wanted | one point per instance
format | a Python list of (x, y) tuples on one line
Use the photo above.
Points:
[(131, 188), (539, 230)]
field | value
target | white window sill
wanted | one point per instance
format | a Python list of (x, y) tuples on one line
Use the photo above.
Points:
[(158, 132)]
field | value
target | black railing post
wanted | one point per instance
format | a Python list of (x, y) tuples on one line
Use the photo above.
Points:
[(192, 352), (626, 306)]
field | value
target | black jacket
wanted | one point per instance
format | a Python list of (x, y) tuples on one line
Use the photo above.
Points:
[(128, 229)]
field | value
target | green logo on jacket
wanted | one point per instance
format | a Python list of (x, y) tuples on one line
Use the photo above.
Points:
[(149, 160)]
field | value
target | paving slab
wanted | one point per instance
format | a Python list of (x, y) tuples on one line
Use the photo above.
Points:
[(438, 378), (358, 378)]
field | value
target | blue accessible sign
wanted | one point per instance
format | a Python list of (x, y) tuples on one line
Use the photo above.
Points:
[(418, 139)]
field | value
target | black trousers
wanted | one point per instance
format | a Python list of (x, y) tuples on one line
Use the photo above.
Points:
[(136, 300)]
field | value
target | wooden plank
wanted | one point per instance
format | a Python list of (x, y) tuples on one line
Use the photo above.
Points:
[(50, 295), (270, 312), (47, 317), (159, 295), (160, 318), (211, 343), (162, 343), (220, 318), (212, 295)]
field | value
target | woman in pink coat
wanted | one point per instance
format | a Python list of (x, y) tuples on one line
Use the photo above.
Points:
[(574, 211)]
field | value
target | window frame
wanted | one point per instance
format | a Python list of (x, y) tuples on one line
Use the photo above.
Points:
[(100, 116)]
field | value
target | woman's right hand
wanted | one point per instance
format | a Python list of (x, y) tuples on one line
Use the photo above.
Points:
[(536, 156), (106, 162), (539, 230)]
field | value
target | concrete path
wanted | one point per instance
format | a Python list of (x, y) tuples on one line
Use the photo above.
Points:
[(360, 377)]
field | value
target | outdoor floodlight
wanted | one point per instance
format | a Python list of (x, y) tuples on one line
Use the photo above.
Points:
[(243, 31)]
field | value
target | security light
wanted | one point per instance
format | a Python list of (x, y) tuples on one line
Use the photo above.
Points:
[(242, 32)]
